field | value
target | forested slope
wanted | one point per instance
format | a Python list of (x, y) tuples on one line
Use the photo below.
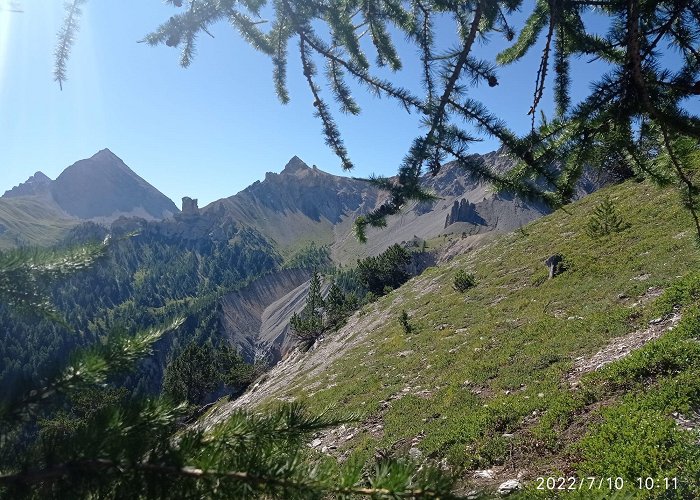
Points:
[(150, 274)]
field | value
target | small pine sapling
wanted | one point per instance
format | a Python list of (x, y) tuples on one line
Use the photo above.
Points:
[(404, 322), (605, 220), (463, 281)]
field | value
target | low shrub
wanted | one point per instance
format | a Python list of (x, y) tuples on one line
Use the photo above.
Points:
[(464, 281)]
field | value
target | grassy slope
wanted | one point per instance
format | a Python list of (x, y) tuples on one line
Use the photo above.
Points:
[(492, 361), (34, 220)]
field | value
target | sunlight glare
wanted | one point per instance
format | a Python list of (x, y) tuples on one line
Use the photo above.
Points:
[(5, 26)]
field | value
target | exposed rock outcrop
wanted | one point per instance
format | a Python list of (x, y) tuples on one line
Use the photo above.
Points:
[(555, 265), (190, 207), (37, 184), (464, 211), (251, 324)]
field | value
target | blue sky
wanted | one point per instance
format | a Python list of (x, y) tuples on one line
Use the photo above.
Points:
[(207, 131)]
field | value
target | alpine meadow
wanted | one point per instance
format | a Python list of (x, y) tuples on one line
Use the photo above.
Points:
[(488, 287)]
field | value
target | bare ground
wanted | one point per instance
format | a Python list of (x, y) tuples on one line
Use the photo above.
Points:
[(302, 364), (621, 347)]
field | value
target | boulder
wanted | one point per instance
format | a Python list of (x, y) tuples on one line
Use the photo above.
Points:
[(509, 487), (555, 264)]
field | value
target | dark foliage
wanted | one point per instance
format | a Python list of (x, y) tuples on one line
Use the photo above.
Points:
[(605, 220), (310, 324), (463, 281), (142, 280), (386, 271), (404, 322), (198, 372)]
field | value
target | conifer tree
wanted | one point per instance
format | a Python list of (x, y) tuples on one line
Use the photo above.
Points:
[(632, 121), (193, 374), (605, 220), (24, 273), (336, 306), (310, 325), (386, 271)]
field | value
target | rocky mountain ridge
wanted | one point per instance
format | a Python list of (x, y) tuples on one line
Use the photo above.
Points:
[(298, 205), (303, 203), (100, 189), (37, 184)]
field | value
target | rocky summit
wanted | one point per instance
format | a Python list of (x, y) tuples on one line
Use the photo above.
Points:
[(103, 187), (37, 184)]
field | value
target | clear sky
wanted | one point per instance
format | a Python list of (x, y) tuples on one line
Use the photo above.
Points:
[(207, 131)]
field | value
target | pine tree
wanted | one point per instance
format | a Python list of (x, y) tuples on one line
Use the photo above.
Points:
[(24, 274), (192, 375), (605, 220), (308, 326), (404, 322), (386, 271), (463, 281), (633, 121), (336, 306), (199, 370)]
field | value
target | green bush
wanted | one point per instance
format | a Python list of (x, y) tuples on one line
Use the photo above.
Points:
[(464, 281), (633, 442), (403, 321), (605, 220)]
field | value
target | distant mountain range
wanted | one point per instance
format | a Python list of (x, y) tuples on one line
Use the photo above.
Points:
[(292, 208), (303, 203), (100, 189)]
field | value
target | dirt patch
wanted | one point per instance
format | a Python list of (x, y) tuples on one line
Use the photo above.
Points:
[(463, 245), (652, 293), (689, 422), (621, 347), (420, 289), (331, 441)]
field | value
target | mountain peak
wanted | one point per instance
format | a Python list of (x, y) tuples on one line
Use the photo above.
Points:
[(295, 164), (103, 186), (39, 176), (36, 184), (104, 154)]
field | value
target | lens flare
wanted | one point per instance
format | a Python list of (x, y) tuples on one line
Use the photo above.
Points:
[(6, 14)]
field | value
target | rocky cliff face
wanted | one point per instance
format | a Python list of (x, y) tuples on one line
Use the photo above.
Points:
[(255, 319), (299, 203), (464, 211)]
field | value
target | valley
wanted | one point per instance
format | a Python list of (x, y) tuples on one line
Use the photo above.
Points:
[(500, 384)]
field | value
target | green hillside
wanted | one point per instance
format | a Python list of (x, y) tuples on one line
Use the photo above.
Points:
[(502, 377), (30, 221)]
